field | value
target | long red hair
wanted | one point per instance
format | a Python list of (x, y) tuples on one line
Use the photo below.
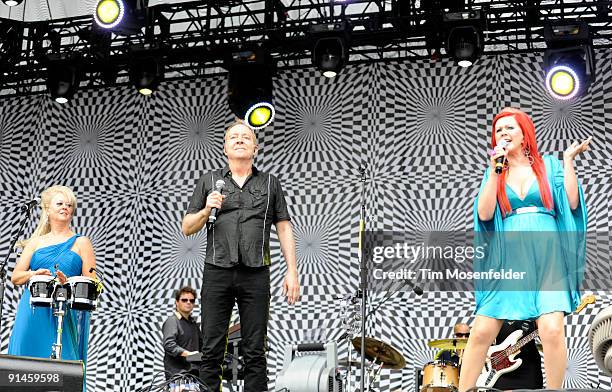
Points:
[(529, 142)]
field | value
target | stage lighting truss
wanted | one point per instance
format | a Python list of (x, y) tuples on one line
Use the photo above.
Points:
[(200, 35), (330, 51), (569, 61), (464, 40), (250, 95)]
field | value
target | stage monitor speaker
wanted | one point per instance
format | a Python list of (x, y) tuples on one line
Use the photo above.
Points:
[(40, 375)]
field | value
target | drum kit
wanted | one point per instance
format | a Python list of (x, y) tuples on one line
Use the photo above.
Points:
[(78, 293), (437, 376)]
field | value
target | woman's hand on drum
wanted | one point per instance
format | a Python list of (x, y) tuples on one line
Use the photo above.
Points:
[(60, 275), (576, 148), (42, 271)]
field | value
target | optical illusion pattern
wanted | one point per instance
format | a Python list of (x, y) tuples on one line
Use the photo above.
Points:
[(420, 129)]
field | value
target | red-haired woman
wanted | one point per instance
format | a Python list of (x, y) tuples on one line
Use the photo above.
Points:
[(538, 206)]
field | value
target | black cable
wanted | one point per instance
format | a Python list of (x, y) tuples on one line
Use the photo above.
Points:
[(49, 8), (144, 389)]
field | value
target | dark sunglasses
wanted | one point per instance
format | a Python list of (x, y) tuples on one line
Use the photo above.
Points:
[(192, 300), (463, 335)]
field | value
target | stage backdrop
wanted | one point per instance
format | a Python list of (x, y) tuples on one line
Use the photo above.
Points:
[(421, 128)]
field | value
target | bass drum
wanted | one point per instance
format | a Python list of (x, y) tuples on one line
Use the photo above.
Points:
[(440, 376)]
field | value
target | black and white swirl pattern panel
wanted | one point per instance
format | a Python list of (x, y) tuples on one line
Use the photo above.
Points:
[(420, 128)]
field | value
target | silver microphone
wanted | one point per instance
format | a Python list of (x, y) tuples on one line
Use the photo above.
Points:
[(219, 185)]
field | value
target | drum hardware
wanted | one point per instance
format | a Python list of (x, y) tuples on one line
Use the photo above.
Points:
[(233, 363), (350, 308), (78, 293), (60, 296)]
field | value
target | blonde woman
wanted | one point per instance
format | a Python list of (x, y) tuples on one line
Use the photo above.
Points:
[(53, 250)]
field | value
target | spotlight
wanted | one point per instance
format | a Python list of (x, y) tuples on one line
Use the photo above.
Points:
[(146, 73), (123, 17), (464, 45), (329, 55), (109, 13), (464, 41), (330, 50), (569, 61), (250, 87), (12, 3), (62, 78), (562, 82)]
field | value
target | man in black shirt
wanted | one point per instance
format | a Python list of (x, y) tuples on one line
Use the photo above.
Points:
[(237, 264), (181, 334), (460, 331)]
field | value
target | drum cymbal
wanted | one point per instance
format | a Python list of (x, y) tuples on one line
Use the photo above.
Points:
[(448, 344), (380, 352)]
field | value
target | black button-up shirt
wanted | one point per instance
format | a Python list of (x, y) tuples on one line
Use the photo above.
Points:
[(180, 334), (241, 233)]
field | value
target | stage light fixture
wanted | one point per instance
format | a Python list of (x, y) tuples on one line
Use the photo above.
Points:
[(569, 60), (109, 13), (464, 41), (62, 77), (464, 45), (146, 73), (12, 3), (330, 49), (11, 44), (123, 17), (562, 82), (329, 55), (250, 87)]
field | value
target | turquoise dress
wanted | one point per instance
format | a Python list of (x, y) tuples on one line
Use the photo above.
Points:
[(548, 246), (35, 328)]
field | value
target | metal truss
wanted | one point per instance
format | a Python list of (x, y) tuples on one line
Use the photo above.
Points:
[(197, 38)]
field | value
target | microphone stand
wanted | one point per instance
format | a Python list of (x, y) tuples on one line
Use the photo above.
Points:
[(364, 276), (4, 264), (415, 289)]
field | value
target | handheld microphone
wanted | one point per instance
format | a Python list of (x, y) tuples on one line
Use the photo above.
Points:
[(499, 162), (219, 185), (27, 206)]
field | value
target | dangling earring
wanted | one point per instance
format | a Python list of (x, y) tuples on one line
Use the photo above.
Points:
[(527, 153)]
